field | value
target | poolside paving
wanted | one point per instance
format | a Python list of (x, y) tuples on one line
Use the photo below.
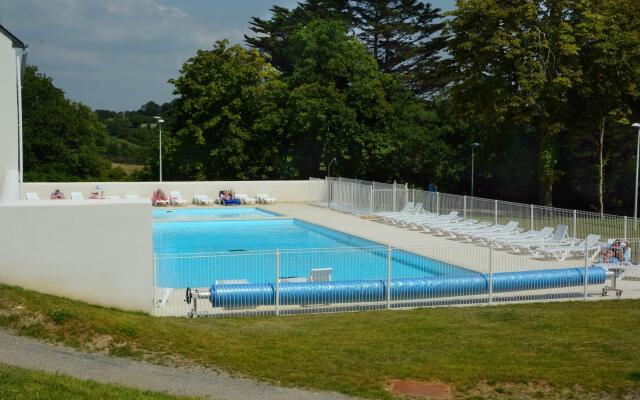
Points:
[(468, 255)]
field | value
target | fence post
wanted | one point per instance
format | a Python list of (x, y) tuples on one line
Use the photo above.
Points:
[(153, 297), (495, 206), (406, 194), (371, 199), (464, 206), (277, 299), (394, 196), (353, 196), (437, 202), (586, 267), (575, 223), (389, 250), (532, 217), (413, 196), (490, 273), (625, 227)]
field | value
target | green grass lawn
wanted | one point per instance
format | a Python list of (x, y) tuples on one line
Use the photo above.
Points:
[(586, 348), (22, 384)]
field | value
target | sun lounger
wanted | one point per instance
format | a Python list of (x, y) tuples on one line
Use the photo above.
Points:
[(575, 248), (320, 275), (532, 235), (443, 227), (558, 238), (245, 199), (265, 199), (32, 196), (175, 198), (394, 217), (203, 200), (424, 223), (77, 196), (405, 210), (493, 230)]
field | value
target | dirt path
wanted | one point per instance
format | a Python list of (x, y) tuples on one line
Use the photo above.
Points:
[(35, 355)]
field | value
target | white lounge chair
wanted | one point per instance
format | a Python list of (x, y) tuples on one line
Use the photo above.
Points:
[(32, 196), (175, 198), (443, 227), (111, 197), (422, 222), (320, 275), (265, 198), (396, 217), (405, 210), (558, 238), (532, 235), (203, 200), (458, 232), (131, 197), (483, 234), (575, 248), (77, 196), (245, 199)]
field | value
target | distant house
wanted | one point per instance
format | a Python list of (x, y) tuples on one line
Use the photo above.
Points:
[(12, 59)]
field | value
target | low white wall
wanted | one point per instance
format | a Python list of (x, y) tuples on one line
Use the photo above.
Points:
[(97, 251), (283, 191)]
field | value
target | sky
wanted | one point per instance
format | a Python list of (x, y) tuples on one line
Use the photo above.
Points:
[(119, 54)]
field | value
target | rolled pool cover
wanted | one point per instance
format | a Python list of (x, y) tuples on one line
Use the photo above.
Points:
[(305, 293)]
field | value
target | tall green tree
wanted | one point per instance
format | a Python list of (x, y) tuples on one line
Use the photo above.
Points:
[(62, 139), (229, 118), (609, 51), (404, 36), (516, 63)]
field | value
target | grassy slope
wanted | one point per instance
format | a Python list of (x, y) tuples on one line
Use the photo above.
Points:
[(18, 383), (595, 345)]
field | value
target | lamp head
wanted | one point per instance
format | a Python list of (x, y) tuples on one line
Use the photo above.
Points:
[(636, 125), (475, 145)]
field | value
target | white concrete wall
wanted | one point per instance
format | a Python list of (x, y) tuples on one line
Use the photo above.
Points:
[(96, 251), (8, 118), (284, 191)]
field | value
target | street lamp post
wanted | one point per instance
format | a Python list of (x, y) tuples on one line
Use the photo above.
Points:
[(474, 146), (329, 178), (160, 122), (635, 203)]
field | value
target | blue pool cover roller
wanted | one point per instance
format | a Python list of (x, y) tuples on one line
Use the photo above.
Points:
[(305, 293)]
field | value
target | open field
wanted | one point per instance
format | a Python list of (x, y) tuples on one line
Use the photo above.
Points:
[(550, 350), (128, 168), (23, 384)]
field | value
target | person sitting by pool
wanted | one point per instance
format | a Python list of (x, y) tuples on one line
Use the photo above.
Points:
[(228, 198), (57, 195), (159, 198), (98, 193), (609, 257)]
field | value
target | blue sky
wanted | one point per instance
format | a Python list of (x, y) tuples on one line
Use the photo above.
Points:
[(118, 54)]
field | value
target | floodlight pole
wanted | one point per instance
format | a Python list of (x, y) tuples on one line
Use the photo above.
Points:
[(329, 179), (635, 203), (160, 122), (474, 146)]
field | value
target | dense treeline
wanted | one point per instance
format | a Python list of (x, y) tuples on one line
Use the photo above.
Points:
[(395, 89)]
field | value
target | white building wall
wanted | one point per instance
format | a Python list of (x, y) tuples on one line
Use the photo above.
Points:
[(95, 251), (9, 163), (283, 191)]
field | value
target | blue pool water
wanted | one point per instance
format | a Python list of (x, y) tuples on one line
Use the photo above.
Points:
[(199, 253), (212, 213)]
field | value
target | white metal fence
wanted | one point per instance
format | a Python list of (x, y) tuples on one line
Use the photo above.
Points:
[(293, 281), (366, 197)]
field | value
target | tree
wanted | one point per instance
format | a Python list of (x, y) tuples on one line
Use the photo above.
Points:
[(229, 117), (404, 36), (608, 55), (62, 139), (516, 62)]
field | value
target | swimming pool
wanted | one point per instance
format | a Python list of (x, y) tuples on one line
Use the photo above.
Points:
[(212, 213), (201, 253)]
